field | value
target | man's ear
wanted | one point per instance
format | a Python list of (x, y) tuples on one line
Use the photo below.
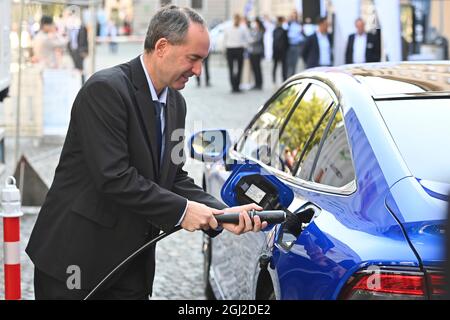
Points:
[(161, 46)]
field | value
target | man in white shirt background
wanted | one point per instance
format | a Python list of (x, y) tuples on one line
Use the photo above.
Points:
[(236, 39), (318, 49), (296, 40), (362, 46)]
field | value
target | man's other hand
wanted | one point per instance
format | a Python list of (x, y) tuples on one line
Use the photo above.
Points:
[(245, 223)]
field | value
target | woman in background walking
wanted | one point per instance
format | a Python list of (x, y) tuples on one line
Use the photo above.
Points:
[(280, 46), (256, 51)]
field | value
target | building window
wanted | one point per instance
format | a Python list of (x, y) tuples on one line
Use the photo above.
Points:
[(197, 4), (165, 2)]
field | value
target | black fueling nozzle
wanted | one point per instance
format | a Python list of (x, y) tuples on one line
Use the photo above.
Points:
[(293, 224), (271, 216)]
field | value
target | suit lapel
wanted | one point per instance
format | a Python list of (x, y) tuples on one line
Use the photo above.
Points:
[(145, 108)]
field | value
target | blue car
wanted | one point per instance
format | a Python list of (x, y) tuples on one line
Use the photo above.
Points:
[(360, 156)]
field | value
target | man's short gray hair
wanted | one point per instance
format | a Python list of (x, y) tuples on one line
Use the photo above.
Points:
[(172, 23)]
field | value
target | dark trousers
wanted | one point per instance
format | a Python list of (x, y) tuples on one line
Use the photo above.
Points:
[(206, 71), (235, 56), (255, 61), (279, 60), (78, 62), (133, 282), (293, 54)]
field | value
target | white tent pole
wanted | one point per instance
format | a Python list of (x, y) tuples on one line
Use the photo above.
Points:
[(388, 13), (19, 84)]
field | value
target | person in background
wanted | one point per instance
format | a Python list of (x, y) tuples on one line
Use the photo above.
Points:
[(112, 33), (361, 46), (269, 26), (280, 46), (46, 44), (256, 51), (206, 67), (78, 43), (236, 38), (318, 50), (127, 26), (247, 79), (60, 25), (102, 23), (296, 41)]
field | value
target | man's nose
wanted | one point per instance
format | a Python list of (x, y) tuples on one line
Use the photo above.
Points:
[(197, 68)]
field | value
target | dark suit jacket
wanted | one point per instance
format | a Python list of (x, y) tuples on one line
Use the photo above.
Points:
[(372, 49), (108, 195), (82, 50), (311, 53), (82, 41), (280, 43)]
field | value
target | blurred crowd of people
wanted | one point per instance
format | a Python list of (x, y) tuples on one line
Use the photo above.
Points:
[(291, 41), (55, 36), (290, 44)]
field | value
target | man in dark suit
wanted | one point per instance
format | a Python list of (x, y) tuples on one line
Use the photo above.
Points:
[(318, 48), (361, 46), (280, 46), (119, 180)]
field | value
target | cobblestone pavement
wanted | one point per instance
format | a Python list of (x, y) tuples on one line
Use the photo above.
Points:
[(179, 258)]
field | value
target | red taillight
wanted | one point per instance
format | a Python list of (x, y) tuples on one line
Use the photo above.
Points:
[(391, 283), (437, 282), (386, 285)]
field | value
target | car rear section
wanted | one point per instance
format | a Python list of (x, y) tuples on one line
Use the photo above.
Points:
[(415, 114), (410, 204)]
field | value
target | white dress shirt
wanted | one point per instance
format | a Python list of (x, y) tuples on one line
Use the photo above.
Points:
[(359, 48), (162, 98), (236, 37), (324, 49)]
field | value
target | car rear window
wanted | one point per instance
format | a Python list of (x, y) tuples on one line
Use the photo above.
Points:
[(421, 130)]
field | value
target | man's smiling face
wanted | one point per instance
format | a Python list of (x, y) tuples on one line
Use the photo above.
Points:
[(179, 62)]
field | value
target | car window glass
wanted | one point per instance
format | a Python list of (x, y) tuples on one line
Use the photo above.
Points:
[(305, 166), (256, 141), (300, 127), (334, 165)]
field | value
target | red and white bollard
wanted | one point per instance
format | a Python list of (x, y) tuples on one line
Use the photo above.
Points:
[(11, 213)]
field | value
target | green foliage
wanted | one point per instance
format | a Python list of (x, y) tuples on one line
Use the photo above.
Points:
[(283, 103), (302, 123), (278, 109)]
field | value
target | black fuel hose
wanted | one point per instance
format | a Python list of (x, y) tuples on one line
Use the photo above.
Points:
[(271, 216), (130, 257)]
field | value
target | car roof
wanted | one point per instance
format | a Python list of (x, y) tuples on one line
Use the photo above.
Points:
[(391, 80)]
